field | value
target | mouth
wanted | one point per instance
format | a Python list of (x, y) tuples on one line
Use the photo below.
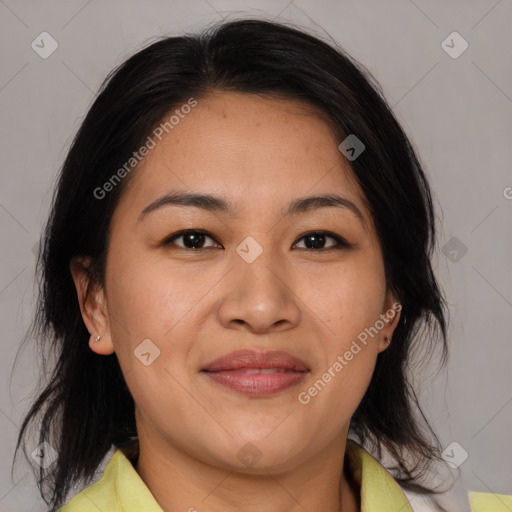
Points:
[(256, 373)]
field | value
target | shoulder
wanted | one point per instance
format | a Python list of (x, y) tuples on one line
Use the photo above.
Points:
[(486, 501), (120, 489), (470, 502), (100, 495), (379, 488)]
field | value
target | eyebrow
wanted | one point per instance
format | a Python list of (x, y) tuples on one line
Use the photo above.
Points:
[(216, 204)]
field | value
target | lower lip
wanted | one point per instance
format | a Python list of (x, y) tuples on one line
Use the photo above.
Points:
[(256, 384)]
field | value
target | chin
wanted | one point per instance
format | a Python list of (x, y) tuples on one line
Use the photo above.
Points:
[(261, 453)]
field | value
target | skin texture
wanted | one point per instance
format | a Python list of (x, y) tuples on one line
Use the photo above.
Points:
[(196, 305)]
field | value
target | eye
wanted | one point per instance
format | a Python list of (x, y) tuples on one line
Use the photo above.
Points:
[(193, 239), (316, 239)]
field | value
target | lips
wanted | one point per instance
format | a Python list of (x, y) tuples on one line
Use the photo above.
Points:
[(256, 373), (256, 360)]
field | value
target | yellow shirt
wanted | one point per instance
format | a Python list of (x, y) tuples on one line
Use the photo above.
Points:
[(121, 489)]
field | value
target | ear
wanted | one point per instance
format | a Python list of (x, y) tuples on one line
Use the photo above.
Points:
[(93, 306), (390, 316)]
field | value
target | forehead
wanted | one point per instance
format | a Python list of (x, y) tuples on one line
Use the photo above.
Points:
[(258, 152)]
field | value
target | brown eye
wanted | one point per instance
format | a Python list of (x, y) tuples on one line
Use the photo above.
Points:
[(316, 240), (193, 239)]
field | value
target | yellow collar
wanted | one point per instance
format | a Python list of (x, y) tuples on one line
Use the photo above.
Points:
[(121, 489), (379, 490)]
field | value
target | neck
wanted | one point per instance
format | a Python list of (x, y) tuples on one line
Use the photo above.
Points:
[(180, 482)]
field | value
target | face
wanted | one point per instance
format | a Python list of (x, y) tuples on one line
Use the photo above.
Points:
[(258, 271)]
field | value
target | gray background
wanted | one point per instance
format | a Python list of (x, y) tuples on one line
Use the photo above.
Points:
[(457, 111)]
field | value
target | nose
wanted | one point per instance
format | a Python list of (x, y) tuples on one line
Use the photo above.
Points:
[(259, 296)]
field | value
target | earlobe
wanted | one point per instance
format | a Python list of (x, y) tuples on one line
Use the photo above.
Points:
[(384, 343), (391, 317), (101, 345), (91, 299)]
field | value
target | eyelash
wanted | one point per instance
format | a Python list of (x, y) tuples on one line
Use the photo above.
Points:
[(341, 243)]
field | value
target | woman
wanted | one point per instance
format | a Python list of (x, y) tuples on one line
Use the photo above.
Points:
[(235, 272)]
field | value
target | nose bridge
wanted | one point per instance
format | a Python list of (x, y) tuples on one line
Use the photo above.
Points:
[(259, 294), (259, 266)]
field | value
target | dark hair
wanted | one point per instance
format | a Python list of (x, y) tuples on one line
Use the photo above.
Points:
[(86, 404)]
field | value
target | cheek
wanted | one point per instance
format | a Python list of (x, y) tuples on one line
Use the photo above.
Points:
[(141, 306), (336, 389), (154, 319), (348, 303), (151, 296), (152, 299), (346, 300)]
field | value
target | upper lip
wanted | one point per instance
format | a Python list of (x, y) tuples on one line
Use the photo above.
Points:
[(256, 359)]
